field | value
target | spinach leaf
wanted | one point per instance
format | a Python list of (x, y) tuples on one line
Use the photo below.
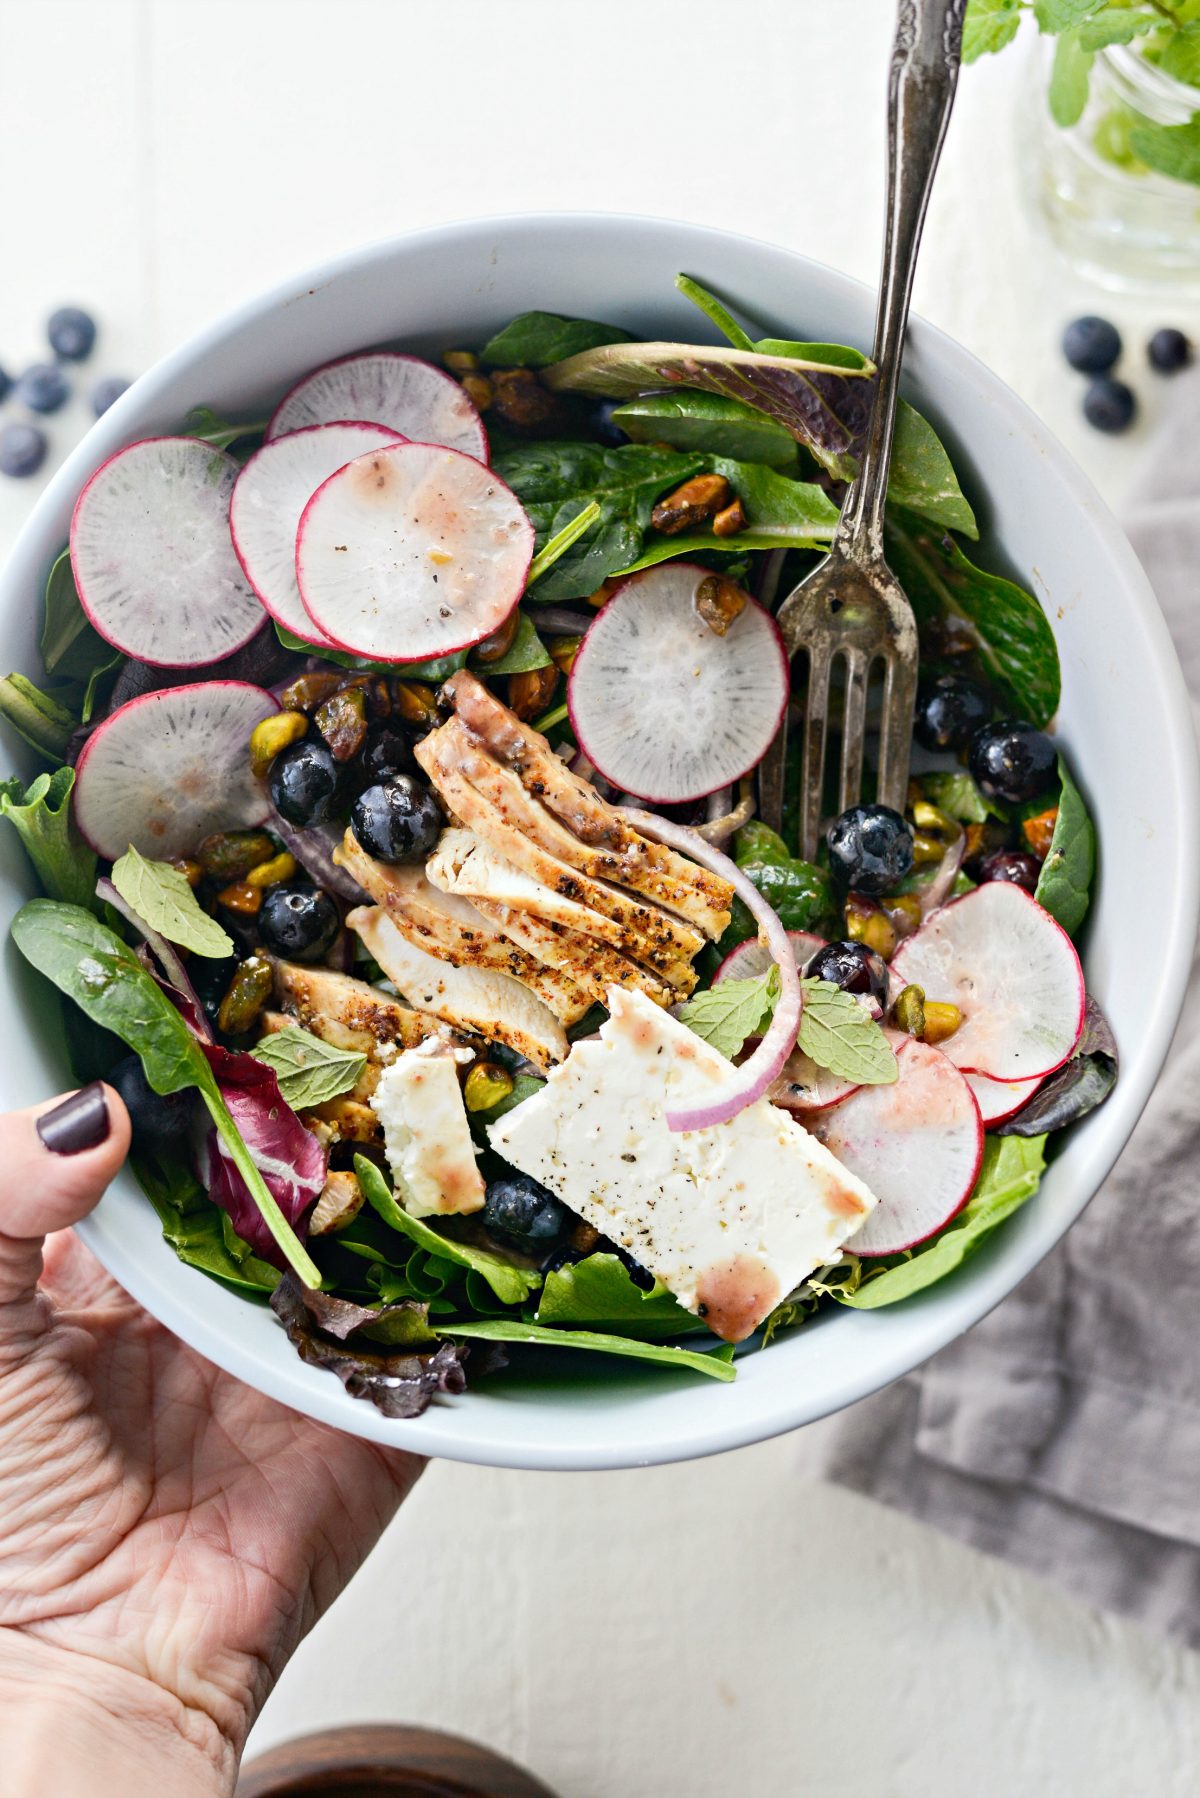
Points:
[(708, 424), (833, 355), (554, 481), (703, 545), (791, 513), (716, 1364), (41, 816), (922, 478), (599, 1293), (309, 1071), (510, 1283), (72, 649), (1011, 1173), (91, 964), (1081, 1084), (526, 651), (44, 722), (162, 898), (989, 26), (1014, 640), (727, 1014), (837, 1034), (536, 339), (440, 669), (1065, 882), (714, 311), (562, 541), (200, 1234)]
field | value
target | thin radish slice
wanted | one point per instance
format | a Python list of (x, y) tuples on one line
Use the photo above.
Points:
[(803, 1087), (1012, 972), (1000, 1099), (753, 957), (168, 768), (917, 1144), (153, 558), (411, 552), (754, 1076), (666, 709), (382, 388), (269, 495)]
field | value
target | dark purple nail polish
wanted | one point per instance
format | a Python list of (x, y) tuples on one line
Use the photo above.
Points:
[(80, 1122)]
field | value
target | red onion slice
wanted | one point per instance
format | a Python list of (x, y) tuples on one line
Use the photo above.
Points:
[(313, 846), (751, 1080), (938, 890), (167, 957)]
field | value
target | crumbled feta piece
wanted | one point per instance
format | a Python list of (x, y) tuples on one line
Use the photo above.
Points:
[(730, 1219), (419, 1104)]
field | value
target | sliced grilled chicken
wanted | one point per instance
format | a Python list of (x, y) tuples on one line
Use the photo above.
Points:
[(479, 999), (547, 923), (698, 895), (348, 1013), (451, 929), (368, 1080), (653, 937)]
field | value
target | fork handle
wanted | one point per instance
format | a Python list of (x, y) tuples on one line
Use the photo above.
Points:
[(924, 74)]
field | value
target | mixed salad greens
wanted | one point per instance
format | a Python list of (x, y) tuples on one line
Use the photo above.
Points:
[(400, 862)]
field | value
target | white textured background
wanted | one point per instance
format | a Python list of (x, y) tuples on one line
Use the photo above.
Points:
[(690, 1632)]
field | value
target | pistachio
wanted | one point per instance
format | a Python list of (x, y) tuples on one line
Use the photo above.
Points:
[(926, 849), (486, 1085), (241, 897), (693, 504), (522, 402), (192, 872), (306, 692), (495, 647), (931, 818), (229, 855), (248, 992), (904, 910), (1039, 832), (270, 873), (562, 652), (730, 520), (342, 721), (416, 703), (908, 1013), (531, 693), (868, 923), (479, 391), (718, 602), (272, 734), (460, 362), (941, 1020)]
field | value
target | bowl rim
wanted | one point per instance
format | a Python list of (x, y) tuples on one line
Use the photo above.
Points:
[(496, 1442)]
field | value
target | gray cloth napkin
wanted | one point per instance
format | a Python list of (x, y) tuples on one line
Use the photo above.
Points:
[(1064, 1431)]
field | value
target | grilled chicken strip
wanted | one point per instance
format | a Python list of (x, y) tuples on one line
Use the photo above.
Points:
[(348, 1013), (449, 927), (550, 926), (478, 999), (653, 937), (647, 868)]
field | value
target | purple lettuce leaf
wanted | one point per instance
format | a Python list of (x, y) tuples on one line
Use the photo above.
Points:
[(1081, 1084), (327, 1333), (289, 1157)]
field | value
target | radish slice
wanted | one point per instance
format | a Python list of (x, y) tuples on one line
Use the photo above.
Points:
[(407, 395), (917, 1144), (1000, 1099), (153, 559), (269, 495), (1012, 972), (169, 767), (411, 552), (665, 708), (753, 957), (803, 1087), (754, 1076)]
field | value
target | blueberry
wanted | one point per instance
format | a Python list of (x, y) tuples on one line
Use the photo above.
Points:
[(304, 783), (519, 1210), (159, 1120), (386, 753), (71, 332), (397, 821), (1169, 351), (43, 387), (1091, 345), (870, 848), (1012, 760), (853, 967), (210, 977), (1109, 405), (949, 712), (22, 449), (106, 392), (6, 382), (603, 429), (1015, 865), (641, 1276), (298, 922)]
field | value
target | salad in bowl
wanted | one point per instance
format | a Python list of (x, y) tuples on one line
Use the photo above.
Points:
[(401, 865)]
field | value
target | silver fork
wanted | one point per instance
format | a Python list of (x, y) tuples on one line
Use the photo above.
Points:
[(852, 605)]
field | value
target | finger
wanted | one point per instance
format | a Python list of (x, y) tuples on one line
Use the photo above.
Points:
[(55, 1162)]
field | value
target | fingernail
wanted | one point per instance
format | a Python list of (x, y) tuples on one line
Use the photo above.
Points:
[(80, 1122)]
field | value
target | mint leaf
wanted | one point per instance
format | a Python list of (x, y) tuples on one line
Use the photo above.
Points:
[(989, 26), (1064, 884), (510, 1329), (837, 1034), (41, 816), (309, 1071), (730, 1012), (1069, 79), (162, 898), (1061, 15), (1181, 58), (1171, 149), (511, 1283)]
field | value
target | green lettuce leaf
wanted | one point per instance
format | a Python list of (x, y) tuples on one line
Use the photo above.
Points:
[(41, 816), (198, 1231), (162, 898), (511, 1283), (599, 1293), (716, 1364)]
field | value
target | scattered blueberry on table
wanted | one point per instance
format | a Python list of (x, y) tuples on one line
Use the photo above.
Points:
[(43, 387), (71, 332), (6, 383), (1109, 404), (1091, 344), (106, 392), (1169, 351), (22, 450)]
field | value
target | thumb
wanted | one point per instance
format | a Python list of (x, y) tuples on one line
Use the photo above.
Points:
[(55, 1161)]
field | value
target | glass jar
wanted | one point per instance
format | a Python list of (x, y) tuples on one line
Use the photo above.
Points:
[(1118, 222)]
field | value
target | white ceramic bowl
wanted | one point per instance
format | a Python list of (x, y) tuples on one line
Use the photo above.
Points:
[(1124, 715)]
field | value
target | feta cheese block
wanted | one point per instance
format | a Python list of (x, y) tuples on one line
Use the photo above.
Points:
[(732, 1218), (419, 1103)]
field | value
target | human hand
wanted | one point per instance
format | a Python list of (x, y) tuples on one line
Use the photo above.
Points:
[(167, 1536)]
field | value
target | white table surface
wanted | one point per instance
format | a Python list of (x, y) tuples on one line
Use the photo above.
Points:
[(693, 1631)]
